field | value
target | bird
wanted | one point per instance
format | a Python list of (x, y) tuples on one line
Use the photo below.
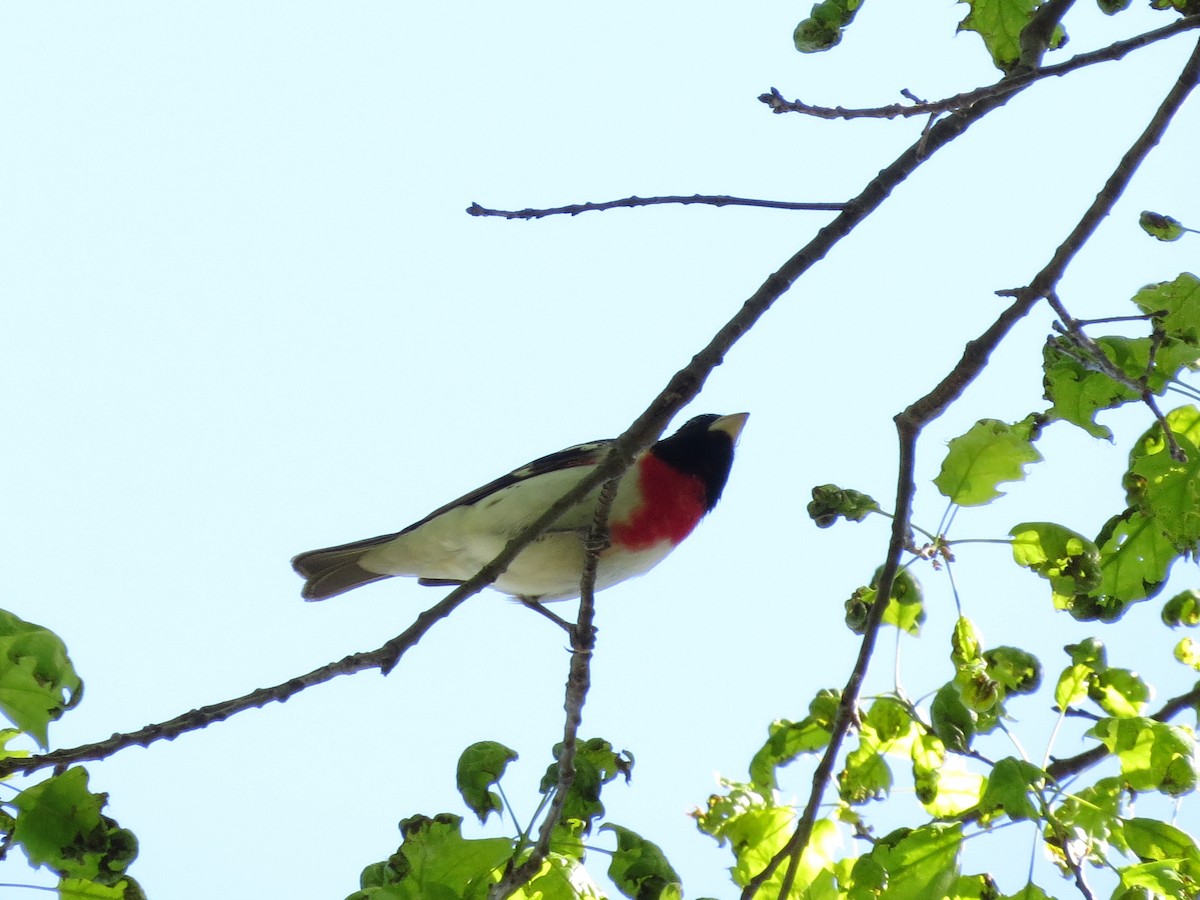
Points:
[(660, 499)]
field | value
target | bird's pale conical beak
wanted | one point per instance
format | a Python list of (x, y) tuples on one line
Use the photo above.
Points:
[(732, 425)]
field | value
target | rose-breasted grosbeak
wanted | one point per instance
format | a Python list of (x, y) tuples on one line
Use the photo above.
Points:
[(660, 499)]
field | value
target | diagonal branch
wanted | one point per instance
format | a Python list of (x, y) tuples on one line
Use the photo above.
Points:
[(912, 421)]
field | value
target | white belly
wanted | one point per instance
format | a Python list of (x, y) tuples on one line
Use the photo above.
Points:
[(461, 541)]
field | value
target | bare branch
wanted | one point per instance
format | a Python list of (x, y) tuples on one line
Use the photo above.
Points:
[(579, 679), (629, 202), (1118, 50)]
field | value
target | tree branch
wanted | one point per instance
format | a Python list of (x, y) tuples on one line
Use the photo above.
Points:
[(1115, 51), (911, 422), (579, 679), (629, 202), (1061, 769)]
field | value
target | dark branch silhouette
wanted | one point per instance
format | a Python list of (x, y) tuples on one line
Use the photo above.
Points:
[(629, 202), (1115, 51)]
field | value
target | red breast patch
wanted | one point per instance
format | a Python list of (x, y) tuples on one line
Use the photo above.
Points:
[(672, 505)]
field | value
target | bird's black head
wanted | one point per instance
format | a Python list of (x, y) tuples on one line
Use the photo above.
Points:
[(704, 447)]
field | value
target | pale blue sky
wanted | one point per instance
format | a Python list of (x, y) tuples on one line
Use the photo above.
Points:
[(247, 316)]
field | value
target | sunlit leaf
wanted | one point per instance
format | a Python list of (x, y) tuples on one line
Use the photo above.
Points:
[(596, 764), (640, 869), (1008, 787), (1072, 686), (479, 767), (1178, 300), (1154, 756), (990, 453), (1120, 692), (785, 742), (999, 23), (921, 862), (1182, 609), (1151, 839), (943, 784), (1068, 560), (37, 681), (59, 824)]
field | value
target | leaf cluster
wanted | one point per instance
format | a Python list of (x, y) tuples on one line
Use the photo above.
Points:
[(435, 860), (59, 822)]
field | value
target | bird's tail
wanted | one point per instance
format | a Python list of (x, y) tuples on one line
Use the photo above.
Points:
[(335, 570)]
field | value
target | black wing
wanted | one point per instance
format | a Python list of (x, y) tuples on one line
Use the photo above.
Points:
[(588, 454)]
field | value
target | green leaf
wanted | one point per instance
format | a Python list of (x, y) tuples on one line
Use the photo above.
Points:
[(966, 646), (596, 764), (1154, 756), (480, 766), (1089, 652), (1120, 692), (60, 825), (1161, 227), (1019, 671), (436, 862), (1135, 558), (999, 23), (787, 740), (1077, 389), (1092, 816), (920, 863), (905, 609), (976, 688), (37, 681), (640, 869), (891, 720), (1151, 839), (1178, 301), (952, 722), (1187, 651), (1182, 609), (1008, 788), (822, 30), (866, 775), (942, 784), (81, 889), (1072, 686), (991, 452), (829, 502), (753, 826), (1166, 490), (1068, 560), (906, 606), (1162, 878)]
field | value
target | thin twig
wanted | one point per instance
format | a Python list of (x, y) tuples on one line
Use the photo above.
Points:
[(629, 202), (1098, 359), (583, 642), (775, 100)]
